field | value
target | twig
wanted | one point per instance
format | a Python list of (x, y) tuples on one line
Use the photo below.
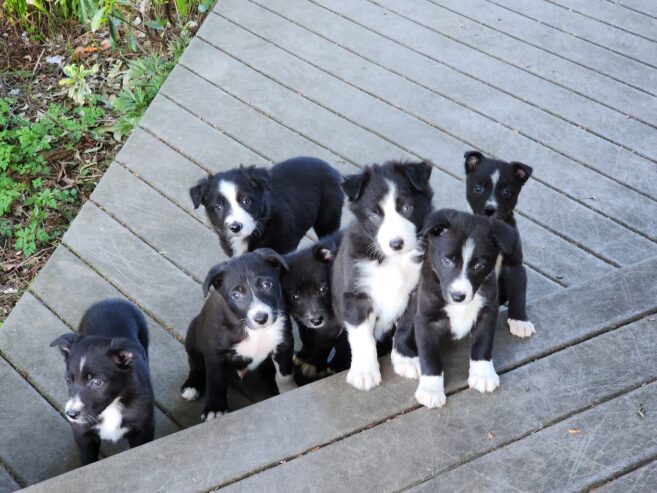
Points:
[(36, 65)]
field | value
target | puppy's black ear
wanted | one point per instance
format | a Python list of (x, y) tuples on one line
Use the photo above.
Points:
[(472, 160), (122, 352), (437, 222), (417, 173), (273, 258), (522, 171), (353, 184), (65, 344), (197, 192), (323, 253), (507, 238), (214, 278), (258, 177)]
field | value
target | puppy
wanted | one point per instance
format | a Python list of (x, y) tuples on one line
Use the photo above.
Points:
[(457, 295), (492, 190), (109, 384), (241, 324), (307, 290), (252, 207), (378, 263)]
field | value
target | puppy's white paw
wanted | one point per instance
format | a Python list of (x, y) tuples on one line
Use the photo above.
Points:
[(285, 383), (431, 392), (521, 328), (483, 376), (210, 415), (298, 361), (364, 380), (190, 394), (405, 366)]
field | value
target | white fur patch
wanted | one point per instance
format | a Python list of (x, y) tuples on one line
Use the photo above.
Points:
[(259, 343), (431, 391), (211, 415), (462, 284), (83, 360), (483, 376), (190, 394), (494, 177), (364, 373), (521, 328), (285, 383), (462, 316), (394, 225), (498, 265), (405, 366), (73, 404), (238, 242), (110, 422)]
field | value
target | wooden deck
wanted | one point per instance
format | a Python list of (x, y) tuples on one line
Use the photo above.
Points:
[(567, 86)]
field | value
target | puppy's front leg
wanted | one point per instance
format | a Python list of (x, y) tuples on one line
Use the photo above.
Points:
[(282, 357), (317, 363), (216, 401), (142, 436), (88, 443), (431, 389), (404, 355), (515, 286), (482, 372), (364, 373)]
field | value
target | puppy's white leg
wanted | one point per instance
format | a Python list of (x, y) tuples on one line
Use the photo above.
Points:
[(483, 376), (405, 366), (521, 328), (285, 383), (190, 394), (431, 391), (364, 373)]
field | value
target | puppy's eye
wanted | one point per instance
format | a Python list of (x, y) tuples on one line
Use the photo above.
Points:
[(447, 262), (323, 290), (236, 295), (479, 266), (296, 298), (506, 192), (266, 285), (407, 209), (478, 189), (94, 382), (245, 201)]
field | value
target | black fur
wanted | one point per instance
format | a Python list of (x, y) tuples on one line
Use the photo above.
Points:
[(285, 201), (113, 340)]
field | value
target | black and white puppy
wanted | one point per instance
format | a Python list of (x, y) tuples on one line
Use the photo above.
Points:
[(493, 188), (457, 295), (109, 384), (307, 288), (378, 263), (242, 323), (253, 207)]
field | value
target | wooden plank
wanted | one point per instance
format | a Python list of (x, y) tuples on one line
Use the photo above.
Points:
[(7, 483), (417, 446), (646, 7), (585, 449), (641, 480), (620, 42), (263, 434)]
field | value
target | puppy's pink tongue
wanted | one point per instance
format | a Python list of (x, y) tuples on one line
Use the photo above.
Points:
[(241, 373)]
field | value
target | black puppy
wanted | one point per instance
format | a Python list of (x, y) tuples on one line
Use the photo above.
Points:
[(241, 324), (109, 384), (493, 187), (307, 288), (457, 294), (252, 207), (378, 263)]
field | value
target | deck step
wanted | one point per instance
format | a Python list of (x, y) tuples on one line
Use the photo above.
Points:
[(264, 434)]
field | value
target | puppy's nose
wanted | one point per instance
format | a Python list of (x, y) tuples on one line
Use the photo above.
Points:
[(72, 413), (261, 318), (317, 321), (397, 244), (457, 296), (489, 210), (235, 227)]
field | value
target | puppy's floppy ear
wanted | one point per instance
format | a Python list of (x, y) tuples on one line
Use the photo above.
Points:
[(258, 177), (197, 192), (214, 278), (417, 173), (507, 238), (65, 344), (353, 184), (122, 352), (472, 160), (522, 171), (273, 258), (437, 222)]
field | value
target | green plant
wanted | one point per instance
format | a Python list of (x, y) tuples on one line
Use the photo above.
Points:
[(76, 81)]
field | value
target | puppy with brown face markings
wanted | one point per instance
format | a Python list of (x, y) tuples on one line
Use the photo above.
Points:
[(493, 187), (242, 323)]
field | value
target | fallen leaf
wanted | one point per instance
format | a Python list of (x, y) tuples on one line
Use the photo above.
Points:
[(574, 431), (641, 411), (652, 319), (490, 435)]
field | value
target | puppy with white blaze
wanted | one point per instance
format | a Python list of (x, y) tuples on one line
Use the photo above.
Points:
[(242, 324), (378, 262), (253, 207), (456, 296), (493, 187)]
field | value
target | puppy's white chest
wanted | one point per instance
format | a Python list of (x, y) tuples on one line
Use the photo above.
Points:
[(389, 284), (463, 317), (110, 422), (258, 344)]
